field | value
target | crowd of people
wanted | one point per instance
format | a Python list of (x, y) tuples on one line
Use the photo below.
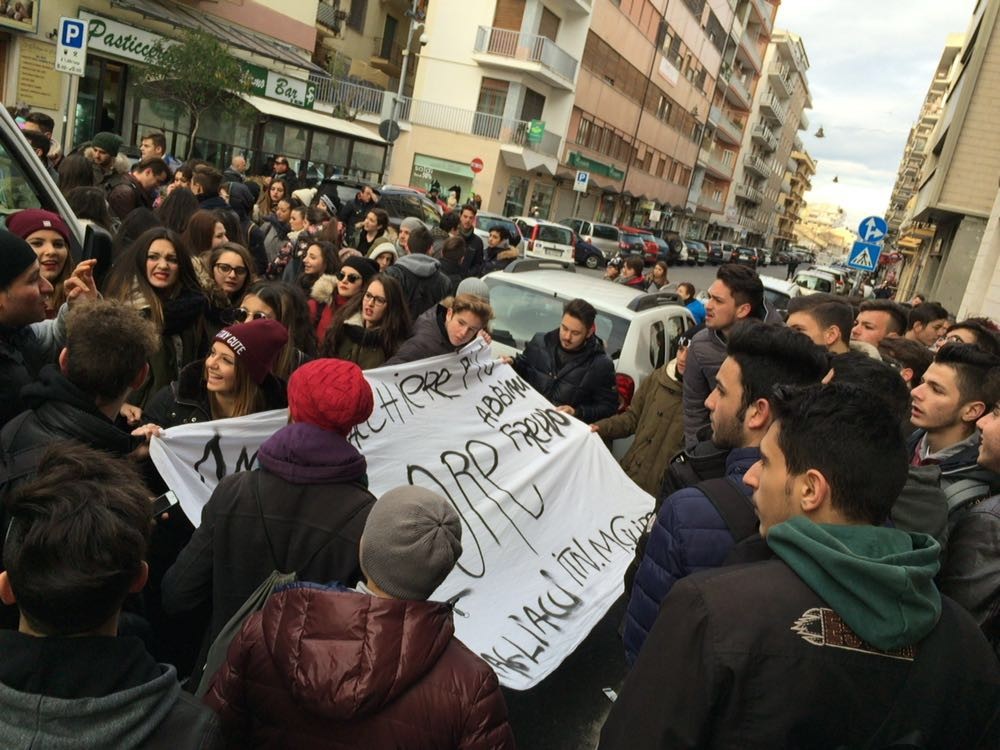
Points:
[(823, 555)]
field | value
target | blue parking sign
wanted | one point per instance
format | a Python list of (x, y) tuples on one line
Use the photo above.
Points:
[(72, 33)]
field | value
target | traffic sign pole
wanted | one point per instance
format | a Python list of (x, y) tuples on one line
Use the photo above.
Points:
[(71, 58)]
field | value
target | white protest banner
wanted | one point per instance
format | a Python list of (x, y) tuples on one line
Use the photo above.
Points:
[(549, 519)]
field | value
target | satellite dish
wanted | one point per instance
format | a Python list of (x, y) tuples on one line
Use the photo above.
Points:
[(389, 130)]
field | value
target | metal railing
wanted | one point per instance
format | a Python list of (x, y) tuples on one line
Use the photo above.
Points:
[(739, 86), (710, 158), (780, 81), (748, 192), (765, 134), (758, 165), (772, 104), (353, 97), (526, 48)]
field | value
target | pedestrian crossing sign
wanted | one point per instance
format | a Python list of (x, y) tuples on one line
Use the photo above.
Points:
[(864, 256)]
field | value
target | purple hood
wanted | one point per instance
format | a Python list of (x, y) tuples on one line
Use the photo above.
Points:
[(302, 453)]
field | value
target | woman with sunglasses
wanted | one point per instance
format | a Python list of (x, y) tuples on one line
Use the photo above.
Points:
[(277, 300), (372, 326), (327, 297), (373, 228), (232, 274), (156, 276), (234, 380)]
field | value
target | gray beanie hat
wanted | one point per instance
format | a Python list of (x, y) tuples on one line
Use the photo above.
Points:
[(475, 286), (410, 223), (411, 542)]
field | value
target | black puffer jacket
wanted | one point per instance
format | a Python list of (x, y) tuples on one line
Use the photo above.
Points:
[(185, 400), (585, 379), (429, 339)]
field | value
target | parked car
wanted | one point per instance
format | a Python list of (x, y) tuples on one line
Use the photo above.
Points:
[(811, 281), (639, 330), (697, 252), (402, 202), (720, 252), (485, 221), (546, 240), (605, 237), (631, 243), (766, 257), (652, 252), (589, 255), (842, 277), (778, 292), (746, 256)]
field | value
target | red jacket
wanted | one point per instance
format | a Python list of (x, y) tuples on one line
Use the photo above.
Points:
[(320, 667)]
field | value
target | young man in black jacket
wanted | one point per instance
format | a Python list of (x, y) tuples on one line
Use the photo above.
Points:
[(842, 640), (76, 547), (570, 367)]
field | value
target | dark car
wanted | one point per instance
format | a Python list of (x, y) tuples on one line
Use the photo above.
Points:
[(588, 254), (401, 202), (652, 250), (697, 252), (746, 256), (720, 252), (631, 243)]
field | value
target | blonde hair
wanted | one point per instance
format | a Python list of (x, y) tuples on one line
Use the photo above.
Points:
[(470, 303), (248, 397)]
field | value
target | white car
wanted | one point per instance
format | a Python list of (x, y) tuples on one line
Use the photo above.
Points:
[(814, 281), (639, 330), (546, 240), (778, 292)]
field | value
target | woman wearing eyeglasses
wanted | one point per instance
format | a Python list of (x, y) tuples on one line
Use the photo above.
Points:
[(234, 380), (231, 269), (276, 300), (331, 293), (372, 326), (156, 276)]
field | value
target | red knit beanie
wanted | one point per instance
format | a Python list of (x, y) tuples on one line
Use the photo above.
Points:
[(30, 220), (330, 393), (256, 344)]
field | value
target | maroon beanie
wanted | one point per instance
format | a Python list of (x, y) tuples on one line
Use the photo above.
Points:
[(30, 220), (330, 393), (256, 344)]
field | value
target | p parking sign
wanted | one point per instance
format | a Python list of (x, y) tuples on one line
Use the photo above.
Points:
[(71, 52)]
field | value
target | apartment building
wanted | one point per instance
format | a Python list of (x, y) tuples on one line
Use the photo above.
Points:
[(799, 183), (762, 174), (712, 206), (958, 181), (908, 235)]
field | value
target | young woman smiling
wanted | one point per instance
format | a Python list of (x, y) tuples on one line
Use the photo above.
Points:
[(330, 293), (48, 236), (234, 380), (156, 276), (372, 326)]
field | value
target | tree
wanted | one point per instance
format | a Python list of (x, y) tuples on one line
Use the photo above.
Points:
[(195, 72)]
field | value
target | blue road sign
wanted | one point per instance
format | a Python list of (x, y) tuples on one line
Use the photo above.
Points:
[(873, 229), (71, 33), (864, 256)]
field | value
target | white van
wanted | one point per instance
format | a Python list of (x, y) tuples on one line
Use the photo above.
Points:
[(546, 240)]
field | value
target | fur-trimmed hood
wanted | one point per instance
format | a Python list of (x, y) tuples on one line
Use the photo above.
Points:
[(325, 289)]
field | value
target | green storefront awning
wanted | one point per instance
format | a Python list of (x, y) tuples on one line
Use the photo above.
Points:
[(443, 165), (587, 164)]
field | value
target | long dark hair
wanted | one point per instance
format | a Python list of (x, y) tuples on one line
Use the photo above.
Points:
[(292, 311), (129, 273), (331, 261), (75, 171), (200, 229), (90, 203), (394, 328), (177, 209)]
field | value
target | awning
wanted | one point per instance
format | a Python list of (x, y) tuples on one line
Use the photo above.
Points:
[(517, 157), (181, 16), (444, 165), (313, 117)]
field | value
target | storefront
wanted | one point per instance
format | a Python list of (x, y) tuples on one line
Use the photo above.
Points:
[(451, 176), (277, 117)]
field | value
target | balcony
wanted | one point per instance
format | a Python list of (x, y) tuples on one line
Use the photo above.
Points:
[(762, 135), (764, 12), (749, 51), (351, 99), (726, 128), (772, 108), (709, 204), (715, 165), (756, 165), (803, 121), (469, 122), (748, 192), (780, 81), (535, 55), (738, 93), (387, 56)]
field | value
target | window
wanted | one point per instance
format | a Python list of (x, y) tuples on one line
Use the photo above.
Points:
[(605, 232), (356, 16)]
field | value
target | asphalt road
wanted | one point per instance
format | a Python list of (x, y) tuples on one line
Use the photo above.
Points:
[(567, 709)]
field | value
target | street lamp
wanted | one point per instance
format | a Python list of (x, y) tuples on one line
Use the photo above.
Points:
[(389, 129)]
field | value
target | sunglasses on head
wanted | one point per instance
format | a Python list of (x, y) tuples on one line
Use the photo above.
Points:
[(351, 278), (241, 315)]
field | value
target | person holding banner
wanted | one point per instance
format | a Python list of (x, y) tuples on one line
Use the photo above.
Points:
[(234, 380), (383, 667), (302, 510), (372, 326), (445, 328)]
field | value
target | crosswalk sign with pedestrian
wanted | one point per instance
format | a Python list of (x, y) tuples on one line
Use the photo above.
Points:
[(864, 256)]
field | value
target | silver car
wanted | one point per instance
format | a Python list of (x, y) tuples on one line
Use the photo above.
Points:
[(605, 237)]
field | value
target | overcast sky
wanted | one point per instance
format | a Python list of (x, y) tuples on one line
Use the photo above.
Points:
[(871, 62)]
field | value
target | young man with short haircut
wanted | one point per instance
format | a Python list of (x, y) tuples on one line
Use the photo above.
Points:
[(926, 323), (824, 318), (686, 291), (475, 257), (693, 529), (842, 639), (877, 319), (570, 367), (953, 395), (736, 294), (138, 190), (632, 273), (978, 331), (76, 547), (205, 184), (153, 146), (910, 358), (424, 284)]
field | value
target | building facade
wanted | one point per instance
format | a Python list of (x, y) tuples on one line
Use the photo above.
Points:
[(958, 181), (799, 183)]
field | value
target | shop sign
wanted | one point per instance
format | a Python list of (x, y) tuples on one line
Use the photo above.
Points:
[(122, 40), (580, 161), (20, 16), (38, 81), (536, 131)]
